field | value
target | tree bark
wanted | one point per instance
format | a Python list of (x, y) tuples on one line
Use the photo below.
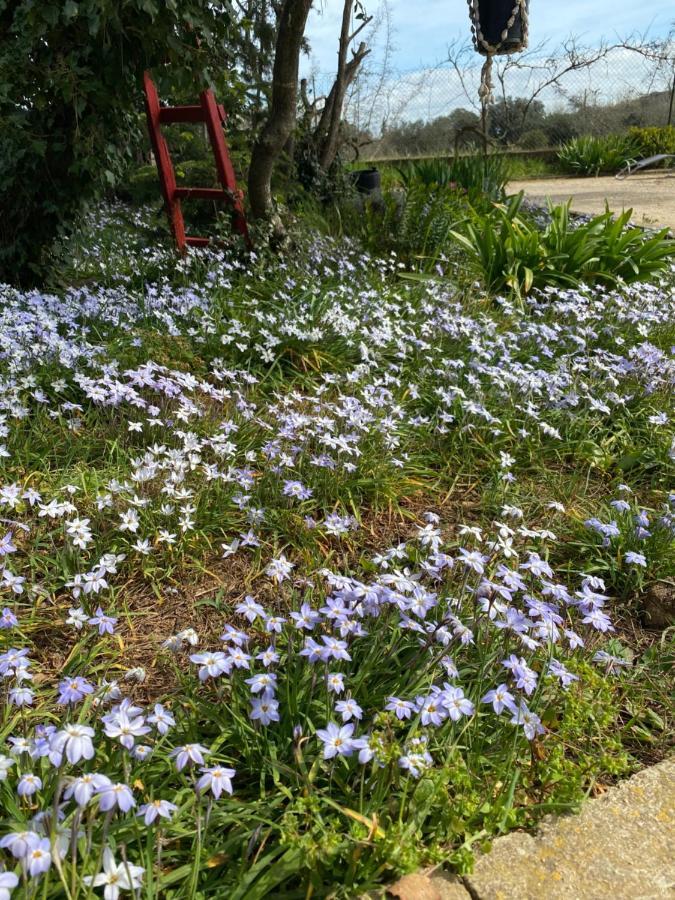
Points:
[(283, 106), (328, 131)]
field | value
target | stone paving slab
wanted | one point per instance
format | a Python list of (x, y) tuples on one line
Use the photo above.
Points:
[(620, 846)]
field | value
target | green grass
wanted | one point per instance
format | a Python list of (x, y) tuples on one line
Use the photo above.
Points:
[(520, 420), (523, 167)]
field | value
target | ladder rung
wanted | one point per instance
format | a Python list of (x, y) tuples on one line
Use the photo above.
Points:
[(192, 113), (200, 193), (197, 241), (168, 114)]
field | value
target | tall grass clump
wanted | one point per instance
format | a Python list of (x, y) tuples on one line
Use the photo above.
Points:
[(477, 174), (512, 252), (598, 155)]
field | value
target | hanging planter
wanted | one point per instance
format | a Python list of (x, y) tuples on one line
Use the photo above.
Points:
[(499, 26)]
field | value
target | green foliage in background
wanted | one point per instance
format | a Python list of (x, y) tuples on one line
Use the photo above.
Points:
[(70, 98), (486, 174), (598, 155), (654, 140)]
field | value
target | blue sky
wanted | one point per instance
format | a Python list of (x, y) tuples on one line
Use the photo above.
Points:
[(424, 28)]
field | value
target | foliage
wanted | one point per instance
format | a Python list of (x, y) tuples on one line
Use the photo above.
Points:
[(415, 224), (426, 137), (512, 117), (531, 166), (516, 123), (535, 139), (477, 174), (212, 466), (140, 185), (597, 155), (652, 141), (512, 252), (70, 79)]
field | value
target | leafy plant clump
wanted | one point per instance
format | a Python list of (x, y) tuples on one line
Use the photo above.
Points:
[(477, 174), (653, 141), (598, 155), (514, 253)]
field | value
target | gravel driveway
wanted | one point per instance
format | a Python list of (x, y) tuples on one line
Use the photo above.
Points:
[(651, 195)]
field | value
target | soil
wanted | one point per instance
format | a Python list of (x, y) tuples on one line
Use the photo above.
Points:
[(651, 195)]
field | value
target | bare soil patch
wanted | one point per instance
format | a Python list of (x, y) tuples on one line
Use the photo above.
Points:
[(651, 195)]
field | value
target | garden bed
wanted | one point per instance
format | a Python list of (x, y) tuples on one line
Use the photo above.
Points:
[(314, 574)]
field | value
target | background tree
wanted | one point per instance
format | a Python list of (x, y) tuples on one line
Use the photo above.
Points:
[(510, 117), (281, 118), (256, 36), (321, 130), (328, 129), (70, 93)]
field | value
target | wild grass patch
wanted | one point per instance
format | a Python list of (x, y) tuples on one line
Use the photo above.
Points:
[(317, 575)]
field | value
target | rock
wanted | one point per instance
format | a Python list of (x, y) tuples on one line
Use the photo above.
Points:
[(414, 887), (450, 887), (420, 886), (619, 847), (658, 605)]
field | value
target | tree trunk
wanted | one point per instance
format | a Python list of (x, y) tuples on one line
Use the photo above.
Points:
[(282, 113), (328, 131), (338, 91)]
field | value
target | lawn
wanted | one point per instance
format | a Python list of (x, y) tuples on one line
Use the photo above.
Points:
[(317, 569)]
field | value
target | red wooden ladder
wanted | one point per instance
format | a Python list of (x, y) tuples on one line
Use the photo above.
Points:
[(212, 115)]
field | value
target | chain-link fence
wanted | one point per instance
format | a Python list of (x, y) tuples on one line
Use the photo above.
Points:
[(539, 100)]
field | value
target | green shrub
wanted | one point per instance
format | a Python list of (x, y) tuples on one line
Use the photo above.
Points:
[(511, 252), (534, 140), (597, 155), (70, 98), (654, 140), (141, 186), (188, 141), (427, 172), (477, 173), (416, 224), (530, 166), (197, 173)]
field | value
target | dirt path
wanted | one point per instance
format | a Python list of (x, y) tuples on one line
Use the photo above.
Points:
[(651, 195)]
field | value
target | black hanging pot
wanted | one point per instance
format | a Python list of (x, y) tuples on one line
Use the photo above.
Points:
[(499, 26), (367, 181)]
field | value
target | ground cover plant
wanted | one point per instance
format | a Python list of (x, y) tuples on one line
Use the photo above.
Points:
[(512, 251), (313, 574), (599, 155)]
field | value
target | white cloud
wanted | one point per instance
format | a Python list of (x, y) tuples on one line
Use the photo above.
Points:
[(424, 28)]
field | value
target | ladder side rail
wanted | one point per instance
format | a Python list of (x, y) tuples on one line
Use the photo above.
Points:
[(165, 169), (224, 165)]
